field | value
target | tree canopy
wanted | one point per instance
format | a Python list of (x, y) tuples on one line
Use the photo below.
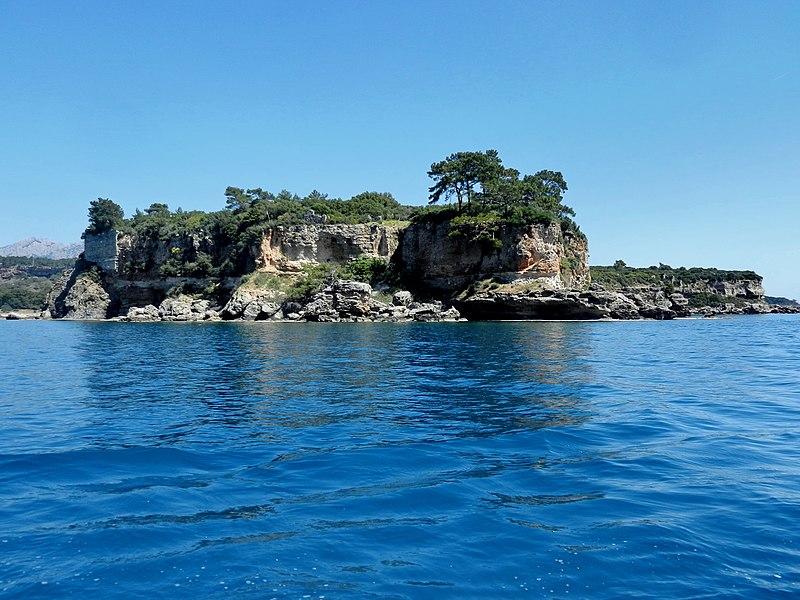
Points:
[(104, 215), (464, 175), (480, 179), (488, 194)]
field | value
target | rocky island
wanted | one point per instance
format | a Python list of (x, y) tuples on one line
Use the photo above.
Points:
[(506, 247)]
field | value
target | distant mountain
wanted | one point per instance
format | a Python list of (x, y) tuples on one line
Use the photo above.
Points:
[(41, 248)]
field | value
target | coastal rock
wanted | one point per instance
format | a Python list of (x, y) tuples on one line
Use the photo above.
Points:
[(353, 301), (428, 312), (402, 298), (288, 249), (679, 304), (563, 304), (184, 308), (532, 254), (78, 294), (251, 305), (143, 314), (522, 272), (343, 299)]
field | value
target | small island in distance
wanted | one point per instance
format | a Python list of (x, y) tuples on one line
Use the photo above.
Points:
[(492, 244)]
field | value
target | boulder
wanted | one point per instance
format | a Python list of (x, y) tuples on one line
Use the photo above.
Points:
[(183, 308), (402, 298), (143, 314), (251, 305), (353, 301)]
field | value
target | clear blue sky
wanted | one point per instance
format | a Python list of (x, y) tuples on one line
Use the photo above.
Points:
[(676, 124)]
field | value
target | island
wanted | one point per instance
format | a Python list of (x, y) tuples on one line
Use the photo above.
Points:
[(491, 244)]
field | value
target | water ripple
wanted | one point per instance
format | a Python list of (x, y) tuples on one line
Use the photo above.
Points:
[(590, 460)]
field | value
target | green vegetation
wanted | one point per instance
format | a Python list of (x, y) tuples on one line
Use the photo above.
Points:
[(16, 297), (25, 281), (314, 277), (781, 301), (367, 269), (226, 237), (489, 195), (622, 276), (43, 267), (701, 299), (103, 216)]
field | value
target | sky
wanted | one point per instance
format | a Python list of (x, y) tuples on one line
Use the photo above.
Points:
[(675, 124)]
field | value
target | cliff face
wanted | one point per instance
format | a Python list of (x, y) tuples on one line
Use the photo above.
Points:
[(536, 254), (525, 272), (78, 294), (130, 269), (135, 272), (288, 249), (750, 289)]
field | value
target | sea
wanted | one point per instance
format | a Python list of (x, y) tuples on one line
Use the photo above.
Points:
[(594, 460)]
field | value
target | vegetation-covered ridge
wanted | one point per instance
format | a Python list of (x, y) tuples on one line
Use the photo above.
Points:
[(623, 276), (700, 281), (25, 281), (483, 196)]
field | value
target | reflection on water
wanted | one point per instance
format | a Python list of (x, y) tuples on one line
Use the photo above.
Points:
[(264, 380)]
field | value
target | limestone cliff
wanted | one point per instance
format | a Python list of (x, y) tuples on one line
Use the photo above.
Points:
[(540, 255), (287, 249), (143, 276), (134, 271), (524, 272)]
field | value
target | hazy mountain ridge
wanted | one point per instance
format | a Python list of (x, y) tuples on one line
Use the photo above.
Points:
[(42, 248)]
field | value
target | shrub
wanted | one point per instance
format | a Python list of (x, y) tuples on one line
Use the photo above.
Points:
[(366, 268)]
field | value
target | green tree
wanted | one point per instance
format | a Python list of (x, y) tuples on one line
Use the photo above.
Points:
[(157, 208), (545, 190), (464, 175), (104, 215), (236, 199)]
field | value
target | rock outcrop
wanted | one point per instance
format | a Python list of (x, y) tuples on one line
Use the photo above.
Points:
[(569, 305), (250, 304), (541, 254), (78, 293), (288, 249), (355, 301)]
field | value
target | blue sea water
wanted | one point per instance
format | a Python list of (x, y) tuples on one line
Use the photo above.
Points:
[(462, 460)]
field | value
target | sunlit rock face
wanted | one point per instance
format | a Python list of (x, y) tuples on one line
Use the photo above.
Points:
[(289, 248), (539, 254)]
